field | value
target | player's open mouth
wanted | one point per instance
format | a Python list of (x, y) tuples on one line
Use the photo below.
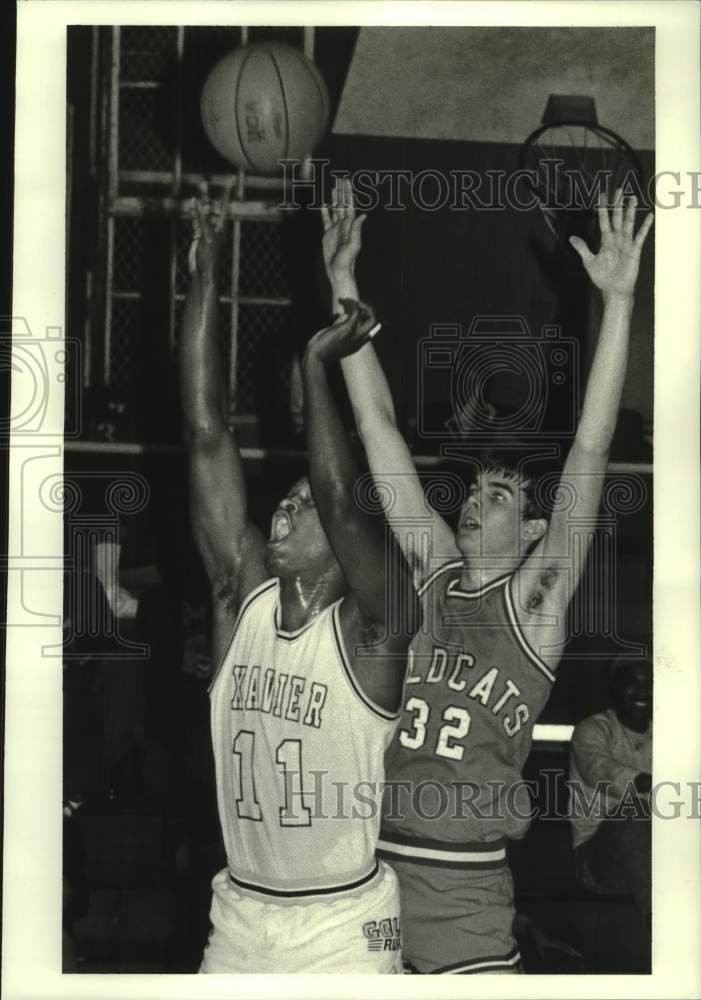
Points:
[(280, 527), (470, 523)]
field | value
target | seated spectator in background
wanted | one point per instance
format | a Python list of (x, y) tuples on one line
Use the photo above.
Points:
[(612, 840)]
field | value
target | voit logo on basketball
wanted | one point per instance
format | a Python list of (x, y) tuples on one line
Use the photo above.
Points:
[(383, 935), (254, 132)]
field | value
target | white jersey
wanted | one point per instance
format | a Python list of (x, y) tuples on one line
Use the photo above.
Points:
[(298, 750)]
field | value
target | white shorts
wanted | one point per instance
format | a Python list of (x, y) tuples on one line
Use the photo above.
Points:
[(351, 933)]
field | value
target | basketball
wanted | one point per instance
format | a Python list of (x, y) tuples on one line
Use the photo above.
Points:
[(262, 104)]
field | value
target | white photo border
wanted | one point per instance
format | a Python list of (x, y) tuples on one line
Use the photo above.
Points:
[(32, 834)]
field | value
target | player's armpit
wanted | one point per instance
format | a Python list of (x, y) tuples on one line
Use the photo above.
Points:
[(230, 588), (251, 571), (538, 599), (245, 571), (376, 656), (550, 574)]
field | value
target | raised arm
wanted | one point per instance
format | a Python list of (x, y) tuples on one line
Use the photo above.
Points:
[(614, 271), (389, 458), (231, 548), (382, 608)]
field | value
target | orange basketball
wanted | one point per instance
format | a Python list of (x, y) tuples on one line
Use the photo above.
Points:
[(264, 103)]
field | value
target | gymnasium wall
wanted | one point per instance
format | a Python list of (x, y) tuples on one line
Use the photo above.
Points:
[(474, 94), (491, 84), (424, 267)]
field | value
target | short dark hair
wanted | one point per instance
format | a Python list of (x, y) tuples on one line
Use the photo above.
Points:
[(538, 475)]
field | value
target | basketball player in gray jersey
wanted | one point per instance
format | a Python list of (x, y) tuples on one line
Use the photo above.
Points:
[(494, 595), (301, 711)]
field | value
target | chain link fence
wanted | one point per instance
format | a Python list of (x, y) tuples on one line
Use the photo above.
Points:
[(157, 149)]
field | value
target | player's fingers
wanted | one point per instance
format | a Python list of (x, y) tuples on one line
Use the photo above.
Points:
[(581, 248), (604, 224), (351, 307), (356, 226), (363, 335), (332, 209), (349, 198), (617, 214), (629, 217), (198, 216), (366, 319), (343, 198), (192, 255), (325, 218), (189, 207), (339, 211), (202, 188), (367, 313), (643, 231)]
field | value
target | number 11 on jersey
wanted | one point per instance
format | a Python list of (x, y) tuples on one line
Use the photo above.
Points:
[(294, 811)]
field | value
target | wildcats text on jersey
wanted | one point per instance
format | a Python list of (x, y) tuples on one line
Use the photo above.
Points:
[(256, 689), (459, 673), (471, 698)]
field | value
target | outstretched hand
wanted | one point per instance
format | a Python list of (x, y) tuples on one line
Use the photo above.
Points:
[(346, 336), (208, 218), (615, 268), (342, 228)]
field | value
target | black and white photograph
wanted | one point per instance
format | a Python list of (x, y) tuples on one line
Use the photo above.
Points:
[(353, 540)]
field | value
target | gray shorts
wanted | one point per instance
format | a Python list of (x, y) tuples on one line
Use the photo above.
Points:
[(457, 922)]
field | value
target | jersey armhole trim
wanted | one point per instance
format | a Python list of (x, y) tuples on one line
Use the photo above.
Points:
[(445, 568), (519, 635), (455, 590), (376, 709), (254, 595)]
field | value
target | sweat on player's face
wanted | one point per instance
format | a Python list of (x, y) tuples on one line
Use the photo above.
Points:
[(297, 540)]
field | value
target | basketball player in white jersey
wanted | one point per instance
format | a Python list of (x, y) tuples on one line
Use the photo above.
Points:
[(311, 656), (494, 595)]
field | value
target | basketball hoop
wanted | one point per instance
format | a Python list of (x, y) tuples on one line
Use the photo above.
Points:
[(572, 160)]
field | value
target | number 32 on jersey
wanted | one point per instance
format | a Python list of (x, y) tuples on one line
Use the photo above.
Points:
[(456, 726)]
